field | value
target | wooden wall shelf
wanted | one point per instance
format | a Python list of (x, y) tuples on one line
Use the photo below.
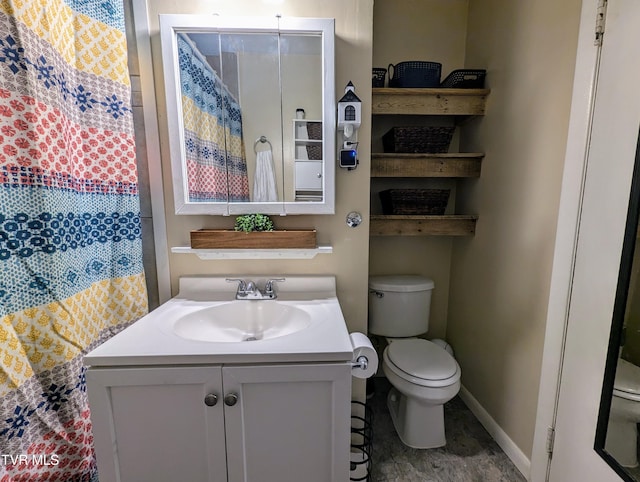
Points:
[(429, 101), (426, 165), (434, 102), (454, 225)]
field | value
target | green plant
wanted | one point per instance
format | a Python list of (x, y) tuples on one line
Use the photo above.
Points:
[(253, 222)]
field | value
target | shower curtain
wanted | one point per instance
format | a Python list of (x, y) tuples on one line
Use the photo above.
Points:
[(216, 163), (70, 238)]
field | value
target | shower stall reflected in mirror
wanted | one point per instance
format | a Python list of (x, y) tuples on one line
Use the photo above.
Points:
[(617, 438)]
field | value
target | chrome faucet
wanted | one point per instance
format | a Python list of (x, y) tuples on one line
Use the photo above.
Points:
[(248, 290)]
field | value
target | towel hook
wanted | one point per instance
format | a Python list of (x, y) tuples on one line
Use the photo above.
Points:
[(261, 139)]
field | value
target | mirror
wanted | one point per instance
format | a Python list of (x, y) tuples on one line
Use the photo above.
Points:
[(251, 113), (617, 428)]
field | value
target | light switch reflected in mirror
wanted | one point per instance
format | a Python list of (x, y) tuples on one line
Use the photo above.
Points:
[(233, 91)]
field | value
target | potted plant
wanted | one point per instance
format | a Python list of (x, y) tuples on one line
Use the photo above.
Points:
[(253, 222), (253, 231)]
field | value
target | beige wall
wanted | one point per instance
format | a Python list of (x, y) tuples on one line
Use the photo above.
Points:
[(431, 30), (350, 254), (500, 278)]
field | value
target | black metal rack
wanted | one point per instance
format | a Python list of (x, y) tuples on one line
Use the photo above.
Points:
[(361, 441)]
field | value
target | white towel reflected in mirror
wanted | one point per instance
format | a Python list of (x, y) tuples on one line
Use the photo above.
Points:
[(264, 181)]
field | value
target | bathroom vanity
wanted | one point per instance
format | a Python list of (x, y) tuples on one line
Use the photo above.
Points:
[(260, 393)]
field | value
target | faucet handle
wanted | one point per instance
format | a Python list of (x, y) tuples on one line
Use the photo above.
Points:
[(268, 287), (242, 285)]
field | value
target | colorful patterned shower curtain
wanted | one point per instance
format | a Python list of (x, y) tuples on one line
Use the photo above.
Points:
[(70, 240), (216, 164)]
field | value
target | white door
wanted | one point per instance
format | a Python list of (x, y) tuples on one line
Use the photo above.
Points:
[(599, 246), (288, 423)]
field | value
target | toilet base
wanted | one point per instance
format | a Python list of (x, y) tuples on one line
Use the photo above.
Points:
[(621, 442), (418, 425), (622, 431)]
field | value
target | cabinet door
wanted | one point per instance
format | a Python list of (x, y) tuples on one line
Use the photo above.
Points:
[(152, 424), (308, 175), (290, 422)]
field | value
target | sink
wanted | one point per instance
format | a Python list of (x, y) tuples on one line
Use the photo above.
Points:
[(204, 324), (239, 321)]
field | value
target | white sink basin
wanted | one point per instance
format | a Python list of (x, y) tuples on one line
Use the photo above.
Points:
[(242, 321), (205, 324)]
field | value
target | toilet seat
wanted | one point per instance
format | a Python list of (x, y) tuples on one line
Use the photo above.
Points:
[(627, 381), (422, 362)]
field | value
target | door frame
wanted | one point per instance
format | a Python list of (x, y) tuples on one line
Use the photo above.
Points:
[(570, 208)]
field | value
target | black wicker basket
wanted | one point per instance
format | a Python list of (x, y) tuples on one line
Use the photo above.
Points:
[(378, 76), (314, 152), (465, 79), (415, 73), (414, 139), (314, 133), (414, 201), (314, 130)]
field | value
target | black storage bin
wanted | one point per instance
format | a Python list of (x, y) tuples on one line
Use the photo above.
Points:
[(415, 73), (378, 76), (414, 201), (465, 79), (418, 139)]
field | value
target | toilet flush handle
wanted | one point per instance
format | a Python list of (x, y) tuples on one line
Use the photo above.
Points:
[(379, 294)]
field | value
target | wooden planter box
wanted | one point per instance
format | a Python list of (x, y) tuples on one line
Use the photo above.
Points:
[(230, 239)]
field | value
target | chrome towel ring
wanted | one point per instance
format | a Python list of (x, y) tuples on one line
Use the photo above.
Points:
[(263, 140)]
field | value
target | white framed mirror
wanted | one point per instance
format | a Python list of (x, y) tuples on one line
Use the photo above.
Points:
[(251, 113)]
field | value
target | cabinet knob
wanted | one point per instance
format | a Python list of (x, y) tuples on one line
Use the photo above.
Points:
[(231, 399), (211, 399)]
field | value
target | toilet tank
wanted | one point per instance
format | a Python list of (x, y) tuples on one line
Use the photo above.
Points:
[(399, 305)]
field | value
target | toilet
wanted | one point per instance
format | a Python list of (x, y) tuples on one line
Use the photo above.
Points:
[(423, 374), (624, 415)]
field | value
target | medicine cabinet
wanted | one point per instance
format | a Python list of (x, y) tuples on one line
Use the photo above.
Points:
[(234, 88)]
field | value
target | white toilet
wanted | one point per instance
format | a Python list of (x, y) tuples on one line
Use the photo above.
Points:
[(622, 431), (424, 375)]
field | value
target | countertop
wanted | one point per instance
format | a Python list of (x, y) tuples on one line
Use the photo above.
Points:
[(150, 341)]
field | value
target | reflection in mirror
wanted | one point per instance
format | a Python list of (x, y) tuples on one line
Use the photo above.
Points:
[(208, 105), (617, 430), (253, 129), (301, 63), (256, 76)]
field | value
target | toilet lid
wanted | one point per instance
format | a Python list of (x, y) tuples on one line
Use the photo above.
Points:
[(422, 359), (627, 378), (401, 283)]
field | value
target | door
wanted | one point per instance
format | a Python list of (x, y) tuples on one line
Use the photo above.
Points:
[(157, 424), (288, 423), (607, 185)]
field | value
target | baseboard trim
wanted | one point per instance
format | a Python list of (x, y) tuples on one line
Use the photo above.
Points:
[(519, 459)]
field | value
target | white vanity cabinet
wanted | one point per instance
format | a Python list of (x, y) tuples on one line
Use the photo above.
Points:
[(236, 423)]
